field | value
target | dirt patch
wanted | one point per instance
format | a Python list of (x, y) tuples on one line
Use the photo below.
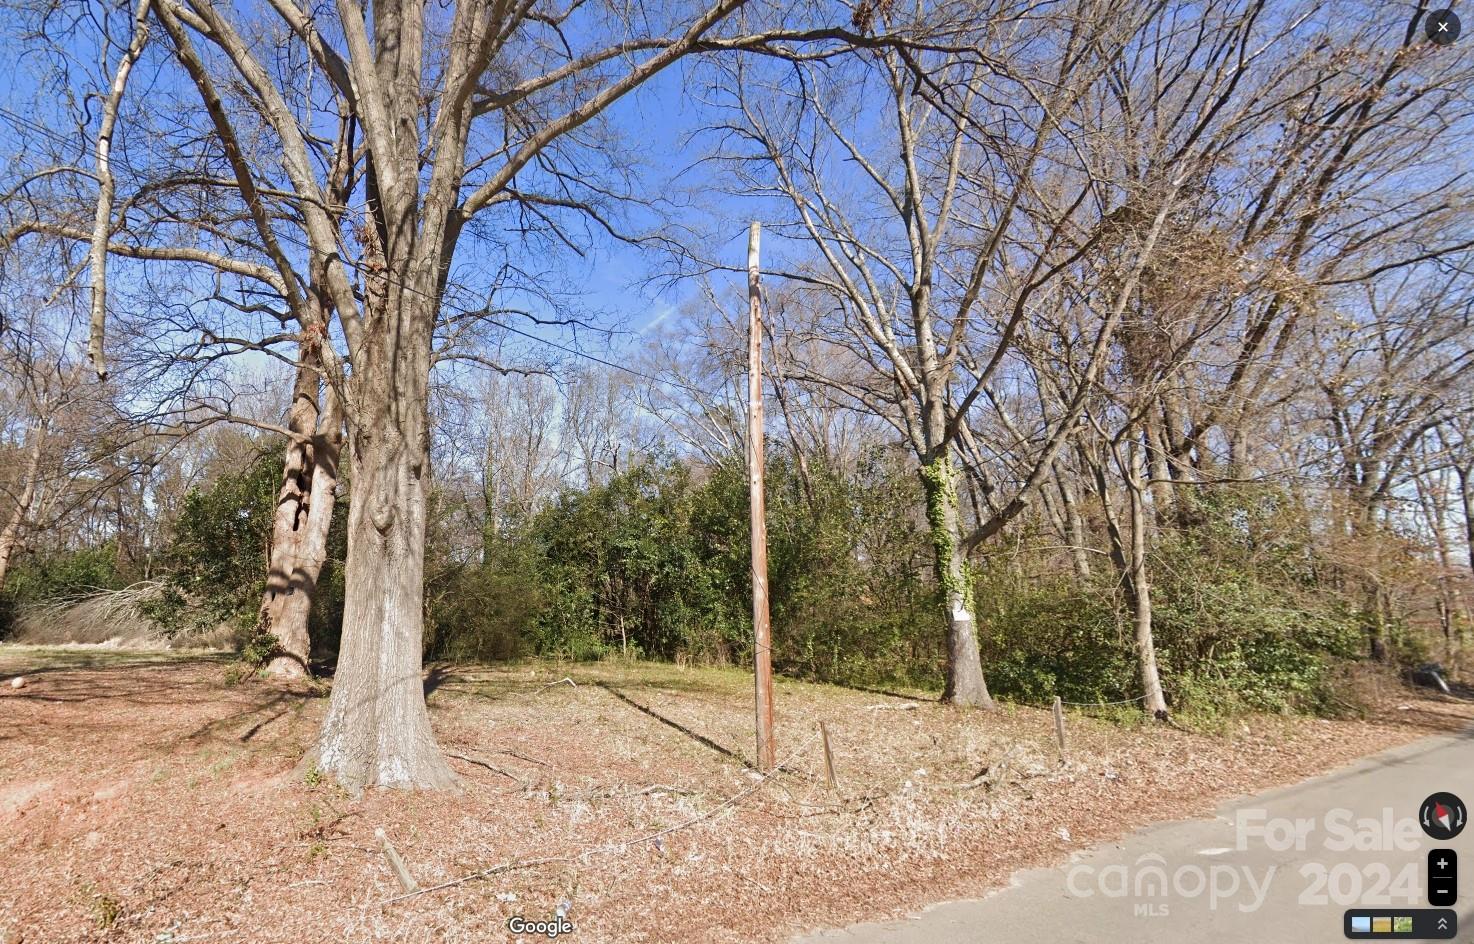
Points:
[(15, 797), (170, 810)]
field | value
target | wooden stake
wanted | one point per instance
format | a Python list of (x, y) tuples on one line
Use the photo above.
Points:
[(1059, 725), (761, 630), (828, 758), (396, 864)]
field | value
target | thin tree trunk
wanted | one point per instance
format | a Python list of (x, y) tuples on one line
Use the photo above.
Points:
[(1129, 556), (1160, 478), (1238, 449), (1362, 513), (10, 537), (1048, 499), (1466, 495), (1446, 625), (1433, 498), (965, 684), (1139, 587), (780, 387), (1074, 525), (1376, 622)]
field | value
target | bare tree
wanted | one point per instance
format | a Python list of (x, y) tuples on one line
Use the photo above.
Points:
[(934, 229), (453, 115), (56, 428), (30, 474), (1389, 379)]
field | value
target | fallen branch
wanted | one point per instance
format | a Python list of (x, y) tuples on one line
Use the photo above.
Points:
[(484, 873), (559, 682), (627, 793), (401, 872), (765, 889), (991, 775), (661, 788), (530, 760), (908, 706), (481, 763)]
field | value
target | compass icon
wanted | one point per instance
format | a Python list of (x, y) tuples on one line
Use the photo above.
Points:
[(1442, 816)]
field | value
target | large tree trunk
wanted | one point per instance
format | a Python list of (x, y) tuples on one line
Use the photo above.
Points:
[(965, 684), (377, 729), (304, 516), (10, 537)]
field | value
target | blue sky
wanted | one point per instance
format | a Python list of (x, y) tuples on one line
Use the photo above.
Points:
[(610, 282)]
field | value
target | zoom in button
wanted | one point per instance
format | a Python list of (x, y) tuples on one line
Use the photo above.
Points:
[(1443, 878)]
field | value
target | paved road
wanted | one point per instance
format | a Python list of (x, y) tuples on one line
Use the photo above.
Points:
[(1083, 901)]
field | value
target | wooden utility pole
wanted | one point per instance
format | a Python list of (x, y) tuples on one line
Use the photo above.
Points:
[(761, 630)]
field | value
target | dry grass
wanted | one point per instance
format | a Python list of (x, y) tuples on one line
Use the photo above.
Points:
[(114, 618), (143, 797)]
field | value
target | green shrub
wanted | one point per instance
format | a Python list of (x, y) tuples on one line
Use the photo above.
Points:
[(259, 649), (480, 612), (1243, 618), (219, 552), (852, 601), (655, 563), (38, 577), (1053, 637), (646, 559)]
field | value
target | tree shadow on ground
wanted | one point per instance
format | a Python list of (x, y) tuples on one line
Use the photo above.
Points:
[(34, 663), (914, 696), (435, 678), (693, 735)]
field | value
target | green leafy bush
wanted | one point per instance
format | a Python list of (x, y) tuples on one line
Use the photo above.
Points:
[(852, 599), (1054, 637), (655, 563), (646, 560), (1245, 619), (259, 648), (40, 577), (219, 553), (480, 612)]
